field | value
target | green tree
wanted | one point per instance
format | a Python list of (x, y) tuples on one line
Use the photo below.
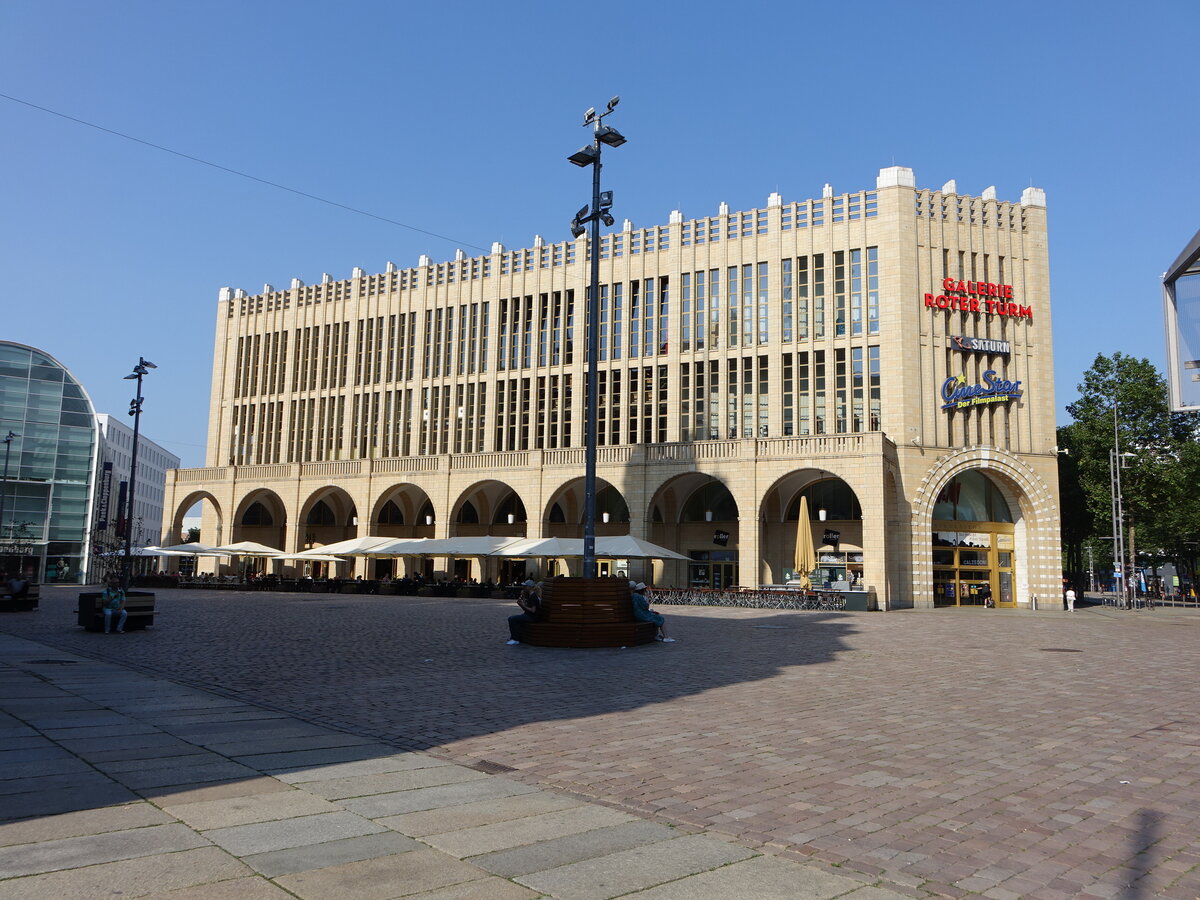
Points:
[(1127, 397), (193, 535)]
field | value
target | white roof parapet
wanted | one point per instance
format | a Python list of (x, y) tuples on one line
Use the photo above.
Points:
[(297, 283), (627, 225), (950, 187), (357, 272), (391, 267), (238, 294), (497, 247), (675, 218), (225, 293), (538, 241), (268, 289), (896, 176), (326, 278), (723, 209), (423, 259), (1033, 196), (459, 255), (774, 199), (827, 191), (989, 193)]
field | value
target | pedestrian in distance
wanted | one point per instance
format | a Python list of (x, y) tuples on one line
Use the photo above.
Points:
[(1070, 599)]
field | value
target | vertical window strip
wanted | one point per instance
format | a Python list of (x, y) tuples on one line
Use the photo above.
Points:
[(873, 290)]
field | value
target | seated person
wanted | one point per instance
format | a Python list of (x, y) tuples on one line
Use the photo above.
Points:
[(530, 601), (112, 599), (17, 585), (643, 613)]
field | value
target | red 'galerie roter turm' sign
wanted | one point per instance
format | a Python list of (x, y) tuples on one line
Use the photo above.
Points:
[(978, 296)]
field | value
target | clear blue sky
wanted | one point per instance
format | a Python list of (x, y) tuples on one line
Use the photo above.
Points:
[(456, 118)]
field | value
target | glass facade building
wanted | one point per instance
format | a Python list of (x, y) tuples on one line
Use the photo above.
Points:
[(50, 465), (1181, 308)]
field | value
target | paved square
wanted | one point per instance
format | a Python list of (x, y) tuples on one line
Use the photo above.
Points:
[(955, 751)]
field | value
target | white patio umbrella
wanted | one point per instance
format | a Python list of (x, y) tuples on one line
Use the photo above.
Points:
[(249, 548), (545, 548), (398, 547), (470, 545), (309, 557), (358, 546), (196, 549), (145, 551), (626, 546)]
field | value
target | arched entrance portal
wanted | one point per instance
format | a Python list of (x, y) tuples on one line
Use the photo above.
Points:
[(974, 557), (696, 515)]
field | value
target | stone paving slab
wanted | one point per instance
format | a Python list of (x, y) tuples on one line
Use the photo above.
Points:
[(98, 792), (129, 878), (391, 762), (253, 888), (76, 852), (382, 878), (435, 797), (765, 878), (199, 793), (331, 853), (572, 848), (209, 814), (89, 821), (244, 840), (480, 812), (405, 780), (629, 870), (468, 842)]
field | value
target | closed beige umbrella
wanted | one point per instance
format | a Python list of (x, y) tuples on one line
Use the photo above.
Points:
[(806, 555)]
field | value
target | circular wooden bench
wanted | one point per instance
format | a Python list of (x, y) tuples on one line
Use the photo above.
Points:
[(586, 612)]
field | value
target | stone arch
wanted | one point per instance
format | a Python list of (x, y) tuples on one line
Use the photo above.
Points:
[(249, 523), (568, 498), (327, 515), (677, 519), (211, 512), (403, 518), (779, 511), (1034, 509), (493, 501)]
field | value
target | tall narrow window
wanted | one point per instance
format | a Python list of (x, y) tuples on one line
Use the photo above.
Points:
[(819, 392), (617, 297), (748, 316), (786, 301), (856, 292), (700, 321), (649, 304), (840, 395), (839, 293), (764, 310), (635, 319), (664, 315), (873, 290), (857, 376), (764, 397), (732, 298), (873, 374), (789, 397), (543, 329), (818, 290), (714, 308), (685, 313)]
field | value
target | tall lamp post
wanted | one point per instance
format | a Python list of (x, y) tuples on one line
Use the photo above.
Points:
[(8, 439), (599, 211), (1116, 462), (135, 409)]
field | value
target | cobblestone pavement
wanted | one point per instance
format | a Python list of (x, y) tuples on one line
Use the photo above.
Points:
[(947, 752)]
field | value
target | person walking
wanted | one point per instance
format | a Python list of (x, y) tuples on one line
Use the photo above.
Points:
[(1070, 599)]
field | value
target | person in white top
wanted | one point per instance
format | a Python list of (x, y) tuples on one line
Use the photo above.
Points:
[(1070, 599)]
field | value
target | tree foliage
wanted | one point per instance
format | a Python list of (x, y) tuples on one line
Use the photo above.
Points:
[(1124, 398)]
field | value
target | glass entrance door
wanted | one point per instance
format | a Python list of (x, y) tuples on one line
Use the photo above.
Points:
[(973, 567)]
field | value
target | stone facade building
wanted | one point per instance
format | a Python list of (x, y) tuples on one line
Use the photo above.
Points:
[(884, 352)]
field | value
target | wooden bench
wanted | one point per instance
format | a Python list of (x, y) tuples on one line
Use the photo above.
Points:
[(139, 605), (8, 603), (586, 612)]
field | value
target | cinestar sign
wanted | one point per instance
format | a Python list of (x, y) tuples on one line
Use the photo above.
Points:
[(957, 394), (979, 345)]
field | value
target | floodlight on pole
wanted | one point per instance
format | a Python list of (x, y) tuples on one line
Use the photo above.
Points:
[(135, 409), (8, 439), (599, 213)]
